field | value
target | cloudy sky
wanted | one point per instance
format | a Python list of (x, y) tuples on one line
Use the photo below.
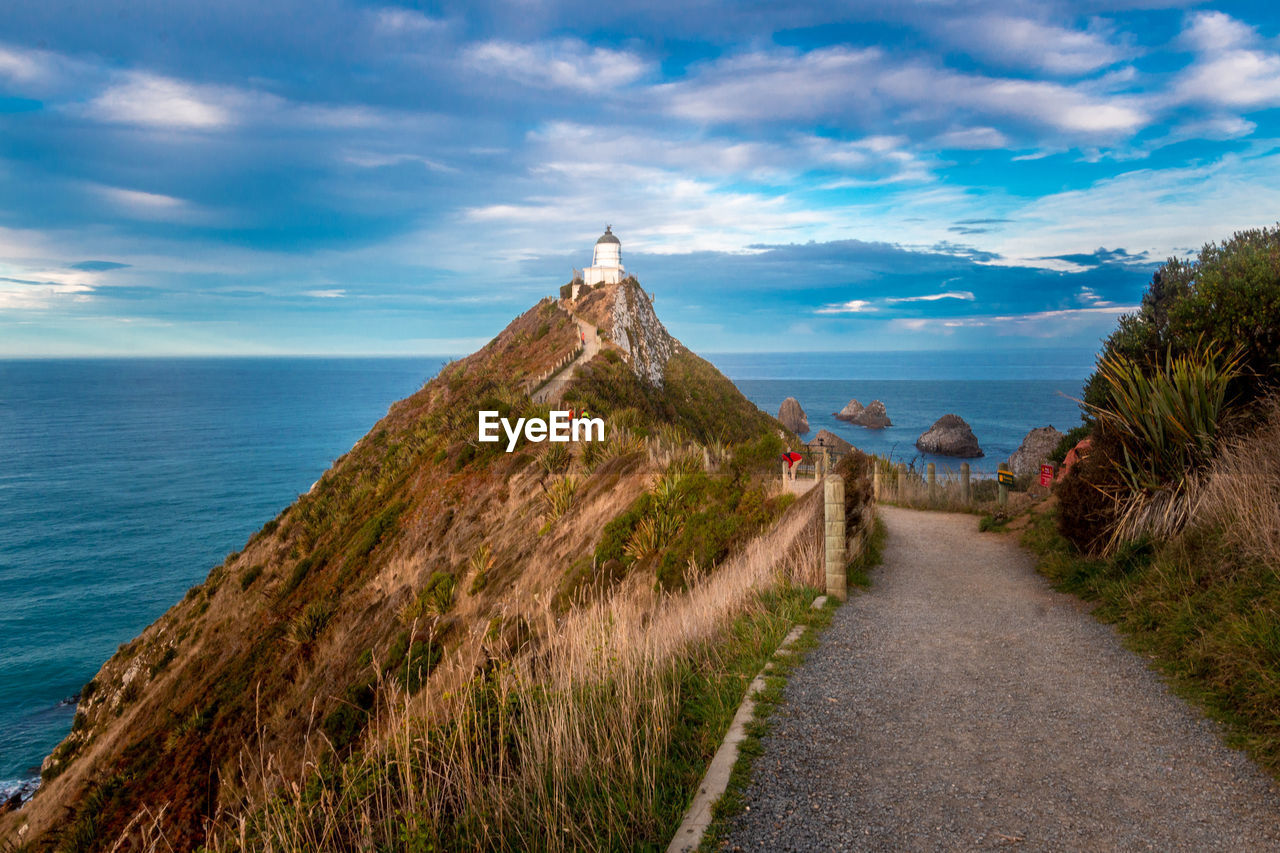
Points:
[(317, 176)]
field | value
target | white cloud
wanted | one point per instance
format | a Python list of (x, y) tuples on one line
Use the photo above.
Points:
[(563, 64), (1208, 32), (334, 293), (1232, 68), (32, 287), (147, 206), (859, 84), (375, 160), (154, 101), (1038, 324), (399, 21), (570, 148), (140, 200), (1025, 43), (853, 306), (15, 296), (962, 295), (974, 138), (21, 66)]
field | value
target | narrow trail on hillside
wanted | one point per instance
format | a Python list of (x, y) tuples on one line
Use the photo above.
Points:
[(962, 703), (554, 388)]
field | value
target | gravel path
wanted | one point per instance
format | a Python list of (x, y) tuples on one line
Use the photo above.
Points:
[(961, 703)]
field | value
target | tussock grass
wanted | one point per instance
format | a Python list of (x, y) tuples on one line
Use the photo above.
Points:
[(1241, 496), (582, 742), (558, 497)]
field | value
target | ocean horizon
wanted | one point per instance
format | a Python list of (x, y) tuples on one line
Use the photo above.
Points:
[(126, 479)]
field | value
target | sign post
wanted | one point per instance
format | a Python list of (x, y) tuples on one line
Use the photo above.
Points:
[(1046, 475), (1006, 480)]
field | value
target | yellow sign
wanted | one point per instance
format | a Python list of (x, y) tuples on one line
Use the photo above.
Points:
[(1005, 477)]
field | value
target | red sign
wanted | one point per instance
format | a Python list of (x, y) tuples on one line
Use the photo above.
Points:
[(1046, 475)]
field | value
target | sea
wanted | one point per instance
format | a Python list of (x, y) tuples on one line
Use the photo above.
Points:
[(123, 481)]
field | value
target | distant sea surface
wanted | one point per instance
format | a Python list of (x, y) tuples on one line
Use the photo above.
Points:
[(122, 482)]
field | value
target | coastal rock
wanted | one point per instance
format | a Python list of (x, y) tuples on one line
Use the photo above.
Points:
[(850, 411), (873, 416), (949, 436), (1034, 451), (637, 329), (830, 441), (793, 417)]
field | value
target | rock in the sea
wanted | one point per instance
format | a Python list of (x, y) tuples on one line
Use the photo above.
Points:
[(873, 416), (830, 441), (1034, 451), (850, 411), (949, 436), (793, 417)]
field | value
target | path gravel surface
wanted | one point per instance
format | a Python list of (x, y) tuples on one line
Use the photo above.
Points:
[(961, 703)]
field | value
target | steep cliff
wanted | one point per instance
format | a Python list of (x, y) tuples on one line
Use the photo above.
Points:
[(419, 545), (625, 313)]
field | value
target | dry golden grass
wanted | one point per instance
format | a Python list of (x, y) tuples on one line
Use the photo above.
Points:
[(558, 748), (1241, 494)]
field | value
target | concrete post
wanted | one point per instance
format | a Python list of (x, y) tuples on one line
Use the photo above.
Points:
[(964, 483), (933, 482), (836, 560), (902, 482)]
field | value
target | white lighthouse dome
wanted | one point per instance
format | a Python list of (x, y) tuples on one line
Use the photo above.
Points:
[(606, 261)]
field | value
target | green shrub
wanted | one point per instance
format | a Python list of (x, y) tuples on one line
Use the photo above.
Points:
[(1073, 437), (1229, 296), (412, 660), (613, 539), (163, 661), (307, 626), (250, 575)]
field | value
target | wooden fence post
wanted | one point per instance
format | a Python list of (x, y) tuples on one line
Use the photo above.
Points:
[(875, 480), (964, 482), (836, 560), (933, 482), (902, 482)]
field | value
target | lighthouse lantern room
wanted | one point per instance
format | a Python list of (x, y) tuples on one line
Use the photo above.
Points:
[(606, 263)]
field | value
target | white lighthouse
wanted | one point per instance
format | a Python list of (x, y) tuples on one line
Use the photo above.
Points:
[(606, 263)]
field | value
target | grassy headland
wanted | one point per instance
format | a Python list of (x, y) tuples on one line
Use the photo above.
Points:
[(443, 644)]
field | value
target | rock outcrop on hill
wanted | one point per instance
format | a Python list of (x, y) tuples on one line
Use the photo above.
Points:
[(793, 417), (625, 313), (873, 416), (949, 436), (828, 439), (1034, 451), (850, 411)]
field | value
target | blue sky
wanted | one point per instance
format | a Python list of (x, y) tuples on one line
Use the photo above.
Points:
[(323, 177)]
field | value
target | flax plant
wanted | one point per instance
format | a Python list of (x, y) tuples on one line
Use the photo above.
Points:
[(1166, 423)]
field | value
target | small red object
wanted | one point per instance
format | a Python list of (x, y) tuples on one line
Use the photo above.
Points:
[(1046, 475)]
